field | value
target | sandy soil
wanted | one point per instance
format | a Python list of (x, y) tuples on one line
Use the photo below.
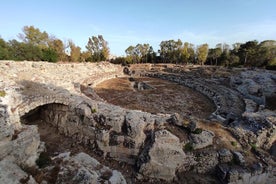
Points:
[(166, 97)]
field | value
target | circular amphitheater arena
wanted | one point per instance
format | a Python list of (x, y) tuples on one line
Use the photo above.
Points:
[(145, 123)]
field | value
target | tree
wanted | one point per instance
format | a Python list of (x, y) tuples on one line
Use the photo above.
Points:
[(85, 56), (59, 47), (214, 54), (143, 49), (24, 51), (185, 54), (34, 36), (151, 55), (131, 55), (4, 50), (98, 48), (234, 60), (191, 52), (170, 51), (202, 53), (247, 52), (49, 55), (266, 53), (75, 52), (140, 53)]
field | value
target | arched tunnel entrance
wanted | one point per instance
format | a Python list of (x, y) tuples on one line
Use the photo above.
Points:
[(49, 119)]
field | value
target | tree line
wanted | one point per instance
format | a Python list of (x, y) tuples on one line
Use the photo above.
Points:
[(37, 45), (251, 53)]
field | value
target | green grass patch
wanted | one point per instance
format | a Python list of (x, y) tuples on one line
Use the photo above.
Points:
[(253, 147), (93, 110), (197, 131), (234, 143)]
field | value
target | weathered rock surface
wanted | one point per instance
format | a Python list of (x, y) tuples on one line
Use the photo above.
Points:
[(206, 161), (202, 140), (165, 157), (239, 175), (225, 156), (82, 168), (12, 173)]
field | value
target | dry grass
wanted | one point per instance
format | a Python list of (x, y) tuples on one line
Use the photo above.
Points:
[(223, 138)]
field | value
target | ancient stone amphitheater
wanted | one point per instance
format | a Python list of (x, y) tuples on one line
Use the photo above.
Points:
[(54, 127)]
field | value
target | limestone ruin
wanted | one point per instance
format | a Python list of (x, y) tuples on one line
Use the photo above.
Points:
[(98, 142)]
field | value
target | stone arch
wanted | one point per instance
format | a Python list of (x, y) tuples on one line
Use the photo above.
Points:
[(63, 115), (35, 102), (54, 120)]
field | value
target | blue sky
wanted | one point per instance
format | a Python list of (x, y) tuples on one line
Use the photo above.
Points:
[(129, 22)]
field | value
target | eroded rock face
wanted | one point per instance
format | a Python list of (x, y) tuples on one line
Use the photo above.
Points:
[(12, 173), (82, 168), (202, 140), (165, 156)]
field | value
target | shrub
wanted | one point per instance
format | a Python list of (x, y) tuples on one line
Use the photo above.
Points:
[(197, 131), (234, 143), (93, 110), (188, 147), (253, 147), (49, 55)]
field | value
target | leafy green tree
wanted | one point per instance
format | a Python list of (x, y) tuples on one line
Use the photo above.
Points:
[(234, 60), (185, 54), (214, 54), (75, 52), (143, 49), (34, 36), (151, 55), (85, 56), (132, 56), (247, 52), (202, 53), (98, 48), (4, 50), (24, 51), (266, 53), (170, 51), (192, 53), (59, 47), (50, 55), (141, 53)]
